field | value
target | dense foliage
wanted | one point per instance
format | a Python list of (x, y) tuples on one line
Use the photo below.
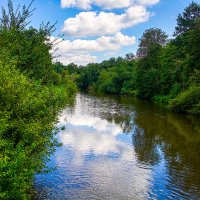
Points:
[(149, 38), (164, 70), (31, 95)]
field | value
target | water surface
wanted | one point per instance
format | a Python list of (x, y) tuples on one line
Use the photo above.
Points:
[(121, 148)]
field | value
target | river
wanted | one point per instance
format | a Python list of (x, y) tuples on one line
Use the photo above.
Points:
[(121, 148)]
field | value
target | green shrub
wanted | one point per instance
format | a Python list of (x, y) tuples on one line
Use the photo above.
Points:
[(187, 101), (128, 88), (28, 113), (161, 99), (166, 98), (196, 109)]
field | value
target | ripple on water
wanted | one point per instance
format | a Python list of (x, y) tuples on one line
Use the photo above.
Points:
[(122, 149)]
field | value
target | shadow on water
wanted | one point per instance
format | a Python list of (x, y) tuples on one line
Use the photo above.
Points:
[(123, 148)]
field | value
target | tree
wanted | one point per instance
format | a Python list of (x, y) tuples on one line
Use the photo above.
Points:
[(29, 46), (15, 19), (188, 20), (150, 36), (28, 109), (129, 56), (187, 42), (88, 76)]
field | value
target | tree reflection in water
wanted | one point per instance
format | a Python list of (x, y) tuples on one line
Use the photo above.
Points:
[(178, 137), (155, 130)]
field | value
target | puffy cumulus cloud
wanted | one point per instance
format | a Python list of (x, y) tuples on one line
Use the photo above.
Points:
[(110, 4), (77, 51), (100, 44), (105, 4), (83, 4), (103, 23), (87, 4), (114, 42), (82, 59), (148, 2)]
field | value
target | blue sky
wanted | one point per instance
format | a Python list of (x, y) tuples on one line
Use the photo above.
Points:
[(95, 30)]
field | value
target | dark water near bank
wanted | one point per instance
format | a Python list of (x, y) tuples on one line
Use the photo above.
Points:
[(121, 148)]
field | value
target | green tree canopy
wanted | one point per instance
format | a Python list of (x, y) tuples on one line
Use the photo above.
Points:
[(188, 19), (29, 46), (150, 37)]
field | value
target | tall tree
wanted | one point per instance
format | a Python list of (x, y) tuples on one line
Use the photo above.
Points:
[(15, 19), (29, 46), (188, 19), (150, 37), (129, 56)]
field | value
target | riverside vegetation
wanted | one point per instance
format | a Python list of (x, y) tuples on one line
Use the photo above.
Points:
[(30, 100), (33, 90), (164, 70)]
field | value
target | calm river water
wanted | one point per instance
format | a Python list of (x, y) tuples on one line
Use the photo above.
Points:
[(120, 148)]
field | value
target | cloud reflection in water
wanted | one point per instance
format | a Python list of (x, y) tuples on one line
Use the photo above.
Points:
[(100, 151)]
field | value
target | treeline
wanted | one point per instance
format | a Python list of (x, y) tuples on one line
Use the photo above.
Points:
[(30, 100), (163, 70)]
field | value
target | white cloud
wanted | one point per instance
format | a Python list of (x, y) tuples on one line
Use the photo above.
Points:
[(105, 25), (77, 51), (83, 4), (148, 2), (82, 59), (110, 4), (94, 24), (87, 4), (105, 4)]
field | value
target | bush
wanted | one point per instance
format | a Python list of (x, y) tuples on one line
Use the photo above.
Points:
[(187, 101), (27, 112), (166, 98), (196, 109)]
